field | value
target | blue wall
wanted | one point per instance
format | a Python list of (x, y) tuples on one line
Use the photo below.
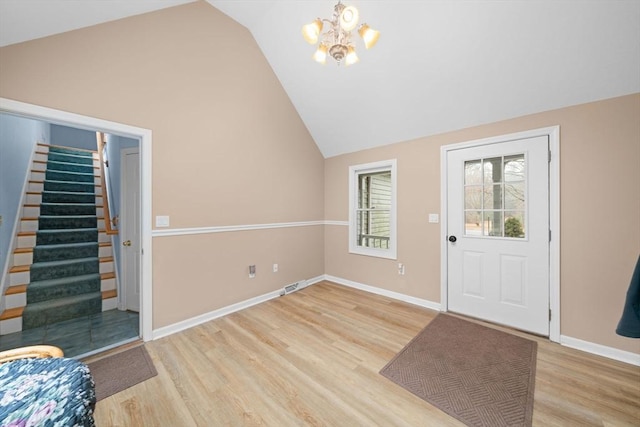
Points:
[(18, 137), (72, 137)]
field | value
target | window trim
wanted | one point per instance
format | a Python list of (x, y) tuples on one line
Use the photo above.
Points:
[(354, 172)]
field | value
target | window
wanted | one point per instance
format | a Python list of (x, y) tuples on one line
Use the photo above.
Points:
[(495, 197), (372, 209)]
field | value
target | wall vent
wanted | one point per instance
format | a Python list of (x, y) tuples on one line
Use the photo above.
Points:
[(292, 287)]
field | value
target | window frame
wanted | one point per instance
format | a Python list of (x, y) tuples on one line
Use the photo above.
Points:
[(354, 173)]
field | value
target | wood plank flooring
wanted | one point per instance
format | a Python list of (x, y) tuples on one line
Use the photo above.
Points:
[(312, 358)]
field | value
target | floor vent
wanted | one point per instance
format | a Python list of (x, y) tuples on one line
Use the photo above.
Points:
[(292, 287)]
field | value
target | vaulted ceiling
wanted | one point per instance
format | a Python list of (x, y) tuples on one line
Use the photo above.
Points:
[(440, 65)]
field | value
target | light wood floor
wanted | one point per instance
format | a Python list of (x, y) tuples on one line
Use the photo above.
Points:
[(313, 357)]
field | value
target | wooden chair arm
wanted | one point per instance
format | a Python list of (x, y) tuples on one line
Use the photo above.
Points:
[(30, 352)]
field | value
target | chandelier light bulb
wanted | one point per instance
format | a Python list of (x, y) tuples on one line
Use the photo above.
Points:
[(311, 31), (321, 54), (369, 35), (351, 57)]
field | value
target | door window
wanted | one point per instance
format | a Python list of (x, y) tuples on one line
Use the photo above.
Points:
[(495, 197)]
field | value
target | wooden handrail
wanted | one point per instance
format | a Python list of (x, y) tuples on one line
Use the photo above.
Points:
[(103, 184)]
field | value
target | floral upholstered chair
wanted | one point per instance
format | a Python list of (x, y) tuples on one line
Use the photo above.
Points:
[(40, 387)]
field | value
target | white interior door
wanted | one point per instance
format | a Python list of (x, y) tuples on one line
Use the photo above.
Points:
[(498, 233), (130, 228)]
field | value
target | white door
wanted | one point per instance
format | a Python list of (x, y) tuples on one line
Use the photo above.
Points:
[(498, 233), (130, 228)]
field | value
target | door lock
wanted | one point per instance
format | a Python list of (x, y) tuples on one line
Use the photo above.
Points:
[(126, 243), (453, 239)]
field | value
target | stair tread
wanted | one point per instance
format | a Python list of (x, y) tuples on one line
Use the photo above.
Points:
[(64, 182), (60, 302), (67, 245), (64, 204), (12, 313), (62, 192), (62, 262), (62, 230), (16, 289), (109, 294), (67, 216), (63, 280), (19, 268)]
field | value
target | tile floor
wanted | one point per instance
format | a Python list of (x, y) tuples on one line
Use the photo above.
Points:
[(80, 336)]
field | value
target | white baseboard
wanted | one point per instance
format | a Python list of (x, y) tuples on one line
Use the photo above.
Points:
[(195, 321), (386, 293), (601, 350)]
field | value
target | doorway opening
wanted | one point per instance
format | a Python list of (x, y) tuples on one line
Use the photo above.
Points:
[(57, 117)]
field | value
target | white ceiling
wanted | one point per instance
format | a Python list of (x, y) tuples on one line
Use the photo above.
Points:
[(440, 65)]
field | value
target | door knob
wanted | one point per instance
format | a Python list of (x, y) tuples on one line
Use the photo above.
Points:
[(126, 243), (452, 239)]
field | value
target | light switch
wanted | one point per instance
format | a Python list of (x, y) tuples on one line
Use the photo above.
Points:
[(434, 218), (162, 221)]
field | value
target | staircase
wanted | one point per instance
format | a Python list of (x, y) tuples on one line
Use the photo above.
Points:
[(63, 264)]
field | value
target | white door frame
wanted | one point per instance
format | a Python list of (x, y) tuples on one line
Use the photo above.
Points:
[(145, 136), (553, 134)]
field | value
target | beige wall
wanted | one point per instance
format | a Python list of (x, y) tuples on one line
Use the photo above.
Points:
[(228, 146), (600, 213), (230, 149)]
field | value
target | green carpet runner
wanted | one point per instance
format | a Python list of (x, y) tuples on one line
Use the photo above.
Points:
[(65, 274)]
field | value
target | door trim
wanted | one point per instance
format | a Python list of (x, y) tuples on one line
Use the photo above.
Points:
[(553, 133), (145, 137)]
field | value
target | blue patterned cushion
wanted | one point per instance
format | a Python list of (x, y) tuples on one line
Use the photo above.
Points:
[(46, 392)]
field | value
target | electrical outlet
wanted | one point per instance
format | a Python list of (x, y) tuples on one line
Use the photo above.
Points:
[(275, 268), (252, 271), (401, 269)]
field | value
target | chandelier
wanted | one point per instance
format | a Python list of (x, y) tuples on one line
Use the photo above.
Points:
[(336, 41)]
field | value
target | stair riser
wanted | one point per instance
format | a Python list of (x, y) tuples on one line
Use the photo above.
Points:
[(56, 223), (38, 272), (70, 167), (36, 294), (64, 158), (34, 319), (41, 156), (70, 187), (62, 197), (53, 253), (69, 176), (19, 278), (39, 166), (23, 258), (71, 152), (107, 285), (106, 267), (15, 300), (53, 238), (26, 242), (61, 209)]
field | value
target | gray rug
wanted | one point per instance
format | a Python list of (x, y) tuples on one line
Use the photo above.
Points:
[(479, 375), (121, 371)]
